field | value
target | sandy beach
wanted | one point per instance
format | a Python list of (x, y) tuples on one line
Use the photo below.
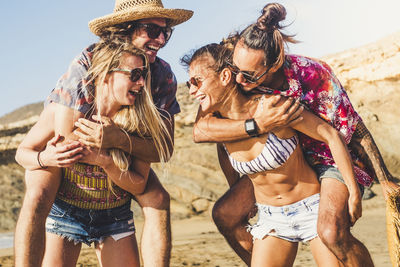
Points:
[(196, 241)]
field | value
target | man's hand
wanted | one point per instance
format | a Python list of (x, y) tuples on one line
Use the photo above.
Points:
[(64, 155), (388, 187), (103, 133), (278, 111)]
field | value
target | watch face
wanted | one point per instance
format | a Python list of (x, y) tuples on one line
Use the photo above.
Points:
[(250, 126)]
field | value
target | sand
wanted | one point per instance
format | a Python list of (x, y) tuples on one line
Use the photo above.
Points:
[(196, 241)]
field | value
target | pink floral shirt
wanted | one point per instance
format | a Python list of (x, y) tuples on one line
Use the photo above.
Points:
[(314, 83)]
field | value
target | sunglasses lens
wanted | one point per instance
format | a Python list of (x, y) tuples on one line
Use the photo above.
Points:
[(153, 31), (137, 73), (194, 82), (248, 78)]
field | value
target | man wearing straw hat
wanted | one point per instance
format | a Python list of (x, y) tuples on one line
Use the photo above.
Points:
[(147, 25)]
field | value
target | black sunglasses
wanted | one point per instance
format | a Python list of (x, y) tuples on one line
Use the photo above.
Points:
[(248, 76), (135, 74), (154, 30), (194, 81)]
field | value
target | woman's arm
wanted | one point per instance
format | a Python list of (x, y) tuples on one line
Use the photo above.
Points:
[(134, 180), (318, 129), (106, 134), (36, 146)]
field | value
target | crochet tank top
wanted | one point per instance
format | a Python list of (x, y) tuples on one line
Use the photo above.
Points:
[(85, 186)]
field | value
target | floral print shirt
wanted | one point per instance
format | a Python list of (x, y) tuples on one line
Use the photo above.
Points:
[(75, 91), (314, 83)]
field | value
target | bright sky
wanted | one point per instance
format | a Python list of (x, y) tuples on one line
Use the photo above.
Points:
[(40, 38)]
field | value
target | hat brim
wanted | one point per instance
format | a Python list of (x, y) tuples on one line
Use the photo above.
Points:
[(174, 16)]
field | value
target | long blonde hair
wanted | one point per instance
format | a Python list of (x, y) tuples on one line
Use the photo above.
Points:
[(142, 118)]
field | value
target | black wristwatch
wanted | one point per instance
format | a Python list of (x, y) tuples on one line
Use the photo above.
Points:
[(250, 126)]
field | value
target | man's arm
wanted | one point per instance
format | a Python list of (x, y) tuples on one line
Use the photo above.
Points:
[(364, 145), (33, 152), (277, 111), (106, 134)]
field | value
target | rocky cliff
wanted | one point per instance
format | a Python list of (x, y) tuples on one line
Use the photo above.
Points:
[(371, 75)]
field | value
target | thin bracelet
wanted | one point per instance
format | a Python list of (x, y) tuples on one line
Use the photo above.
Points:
[(38, 160)]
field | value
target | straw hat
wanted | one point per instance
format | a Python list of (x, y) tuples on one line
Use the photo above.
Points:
[(129, 10)]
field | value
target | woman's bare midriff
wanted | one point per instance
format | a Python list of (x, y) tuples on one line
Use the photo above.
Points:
[(292, 182)]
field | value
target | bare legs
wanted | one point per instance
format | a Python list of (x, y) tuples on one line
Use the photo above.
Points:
[(156, 235), (29, 242), (265, 253), (110, 253), (231, 211), (41, 189), (334, 225), (230, 214), (60, 251), (322, 255)]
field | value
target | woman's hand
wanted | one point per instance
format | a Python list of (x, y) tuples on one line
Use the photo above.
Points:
[(355, 207), (103, 133), (95, 156), (64, 155)]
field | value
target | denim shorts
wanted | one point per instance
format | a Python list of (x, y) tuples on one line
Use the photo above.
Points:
[(327, 171), (296, 222), (88, 225)]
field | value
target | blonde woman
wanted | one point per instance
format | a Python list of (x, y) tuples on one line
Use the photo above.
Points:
[(148, 26), (93, 201)]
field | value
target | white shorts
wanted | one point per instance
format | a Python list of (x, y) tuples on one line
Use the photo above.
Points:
[(296, 222)]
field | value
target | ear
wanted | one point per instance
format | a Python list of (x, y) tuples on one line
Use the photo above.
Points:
[(225, 76)]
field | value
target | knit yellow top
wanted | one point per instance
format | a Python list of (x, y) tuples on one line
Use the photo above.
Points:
[(85, 186)]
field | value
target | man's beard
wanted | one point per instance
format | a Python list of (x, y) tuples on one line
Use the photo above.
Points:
[(244, 92)]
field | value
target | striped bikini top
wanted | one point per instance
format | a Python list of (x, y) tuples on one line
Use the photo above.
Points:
[(275, 153)]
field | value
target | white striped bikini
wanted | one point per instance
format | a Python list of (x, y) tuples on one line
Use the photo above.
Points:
[(274, 154)]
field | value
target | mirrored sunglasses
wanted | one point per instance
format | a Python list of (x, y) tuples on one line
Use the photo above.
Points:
[(135, 74), (247, 75), (154, 30), (194, 81)]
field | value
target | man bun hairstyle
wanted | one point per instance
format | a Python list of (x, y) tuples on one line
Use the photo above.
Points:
[(266, 34)]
